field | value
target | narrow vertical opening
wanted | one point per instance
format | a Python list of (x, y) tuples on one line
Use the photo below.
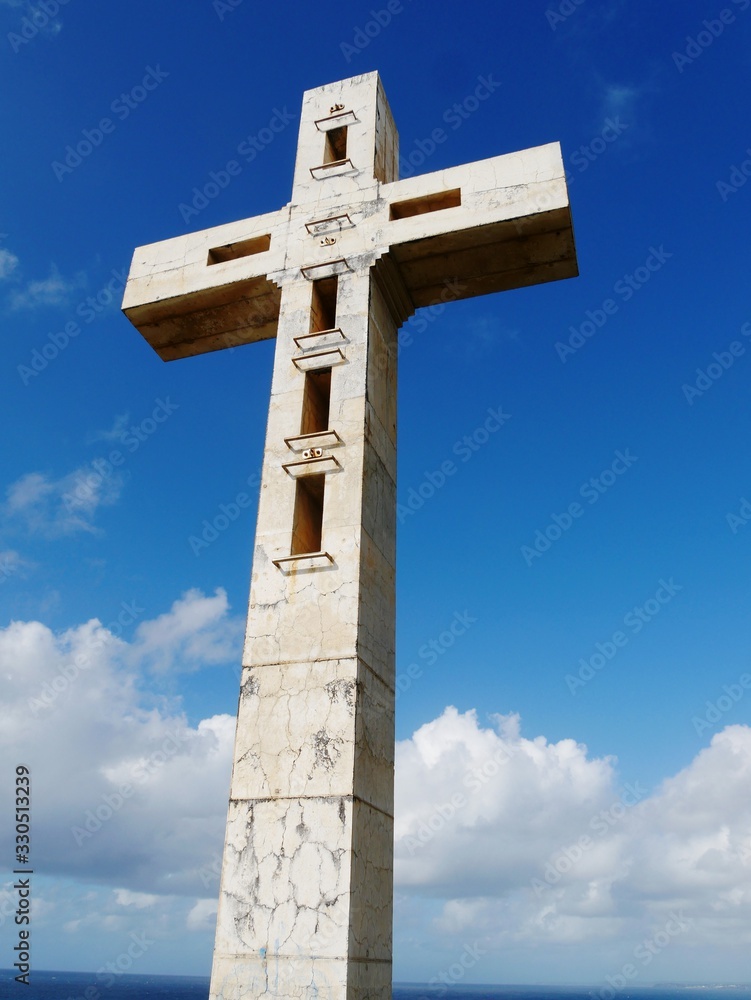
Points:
[(323, 307), (316, 401), (336, 145), (307, 530)]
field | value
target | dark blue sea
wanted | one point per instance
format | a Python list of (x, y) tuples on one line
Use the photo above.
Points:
[(87, 986)]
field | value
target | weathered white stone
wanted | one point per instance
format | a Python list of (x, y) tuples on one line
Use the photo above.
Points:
[(307, 886)]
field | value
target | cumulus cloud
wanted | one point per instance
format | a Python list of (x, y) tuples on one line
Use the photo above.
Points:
[(509, 841), (193, 633), (465, 792), (126, 794), (524, 842), (692, 839), (55, 507)]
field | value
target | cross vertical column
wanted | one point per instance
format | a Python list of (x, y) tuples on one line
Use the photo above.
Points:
[(307, 881)]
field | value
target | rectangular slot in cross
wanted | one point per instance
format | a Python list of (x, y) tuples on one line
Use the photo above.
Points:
[(316, 401), (336, 145), (244, 248), (307, 530), (428, 203), (323, 305)]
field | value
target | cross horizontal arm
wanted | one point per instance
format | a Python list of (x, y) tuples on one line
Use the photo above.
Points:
[(488, 226), (509, 225), (208, 290)]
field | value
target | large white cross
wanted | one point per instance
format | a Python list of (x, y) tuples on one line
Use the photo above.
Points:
[(307, 881)]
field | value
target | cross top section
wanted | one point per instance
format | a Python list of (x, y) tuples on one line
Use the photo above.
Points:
[(488, 226), (348, 139)]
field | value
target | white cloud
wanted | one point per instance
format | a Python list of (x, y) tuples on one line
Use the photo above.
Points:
[(54, 290), (693, 837), (516, 843), (52, 25), (203, 915), (128, 793), (12, 563), (191, 634), (465, 792), (8, 263), (620, 99), (524, 843), (56, 507), (484, 337), (140, 900), (115, 433)]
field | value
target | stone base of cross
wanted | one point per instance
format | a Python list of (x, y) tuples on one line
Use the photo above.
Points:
[(307, 882)]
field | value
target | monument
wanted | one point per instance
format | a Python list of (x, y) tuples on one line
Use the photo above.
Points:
[(307, 880)]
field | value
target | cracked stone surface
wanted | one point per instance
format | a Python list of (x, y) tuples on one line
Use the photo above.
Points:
[(292, 855), (315, 729), (307, 881)]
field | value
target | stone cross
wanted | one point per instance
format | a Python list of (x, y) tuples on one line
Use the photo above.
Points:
[(306, 895)]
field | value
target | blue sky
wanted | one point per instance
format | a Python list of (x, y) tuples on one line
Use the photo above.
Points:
[(635, 375)]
